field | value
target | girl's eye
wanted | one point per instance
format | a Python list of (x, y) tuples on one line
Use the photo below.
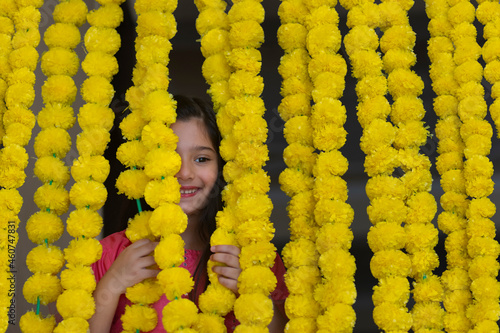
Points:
[(202, 159)]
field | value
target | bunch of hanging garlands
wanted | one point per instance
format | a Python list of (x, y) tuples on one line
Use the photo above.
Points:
[(321, 270)]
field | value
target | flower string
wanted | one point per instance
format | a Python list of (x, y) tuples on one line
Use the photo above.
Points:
[(90, 170), (387, 194), (488, 13), (407, 113), (300, 254), (157, 108), (449, 164), (213, 26), (8, 212), (327, 69), (150, 155), (476, 133), (19, 58), (244, 150), (44, 227)]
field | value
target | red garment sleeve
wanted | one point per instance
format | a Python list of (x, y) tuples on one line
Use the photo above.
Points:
[(281, 291), (112, 246)]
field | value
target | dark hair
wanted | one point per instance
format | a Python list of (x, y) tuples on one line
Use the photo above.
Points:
[(188, 108)]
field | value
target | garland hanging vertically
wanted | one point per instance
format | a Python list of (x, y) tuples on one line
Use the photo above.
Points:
[(45, 226), (245, 144), (488, 13), (18, 59), (387, 194), (476, 133), (8, 212), (213, 26), (407, 113), (299, 255), (91, 169), (327, 69), (449, 164), (151, 140)]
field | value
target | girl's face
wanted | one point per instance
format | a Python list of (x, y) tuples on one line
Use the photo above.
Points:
[(199, 168)]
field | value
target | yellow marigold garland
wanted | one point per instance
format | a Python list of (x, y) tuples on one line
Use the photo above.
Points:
[(8, 213), (336, 293), (387, 194), (243, 147), (91, 169), (44, 261), (488, 13), (154, 112), (213, 26), (407, 112), (476, 132), (449, 164), (300, 254)]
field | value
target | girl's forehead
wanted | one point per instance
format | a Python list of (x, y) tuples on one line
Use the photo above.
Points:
[(192, 132)]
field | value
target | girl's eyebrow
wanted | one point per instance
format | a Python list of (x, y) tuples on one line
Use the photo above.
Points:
[(202, 148)]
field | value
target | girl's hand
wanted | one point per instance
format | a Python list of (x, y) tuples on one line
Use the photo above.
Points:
[(131, 265), (228, 274)]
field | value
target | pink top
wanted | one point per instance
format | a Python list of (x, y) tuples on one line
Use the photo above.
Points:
[(114, 244)]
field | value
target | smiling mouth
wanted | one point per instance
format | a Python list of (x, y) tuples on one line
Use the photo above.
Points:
[(188, 192)]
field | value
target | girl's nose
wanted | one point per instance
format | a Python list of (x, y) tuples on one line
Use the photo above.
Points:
[(185, 172)]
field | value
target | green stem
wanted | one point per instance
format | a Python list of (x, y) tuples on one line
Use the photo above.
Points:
[(139, 206), (38, 305)]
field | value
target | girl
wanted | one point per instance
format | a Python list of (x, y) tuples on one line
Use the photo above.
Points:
[(124, 264)]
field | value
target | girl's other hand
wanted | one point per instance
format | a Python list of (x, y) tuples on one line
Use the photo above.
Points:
[(228, 274), (133, 265)]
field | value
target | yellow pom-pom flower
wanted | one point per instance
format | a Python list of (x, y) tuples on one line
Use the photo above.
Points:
[(88, 193), (76, 303), (73, 325), (101, 64), (78, 277), (179, 314), (56, 115), (109, 16), (83, 251), (42, 286), (138, 227), (132, 183), (49, 168), (43, 226), (217, 300), (139, 318), (253, 309), (256, 279), (170, 251), (45, 259), (60, 61), (262, 253), (246, 33), (175, 282), (31, 321), (302, 305), (71, 12), (84, 222), (53, 197), (146, 292), (167, 219), (62, 35), (90, 167), (97, 89)]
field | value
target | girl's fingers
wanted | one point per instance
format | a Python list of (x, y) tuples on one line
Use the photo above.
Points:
[(230, 249), (229, 284), (226, 254), (227, 272), (227, 259)]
